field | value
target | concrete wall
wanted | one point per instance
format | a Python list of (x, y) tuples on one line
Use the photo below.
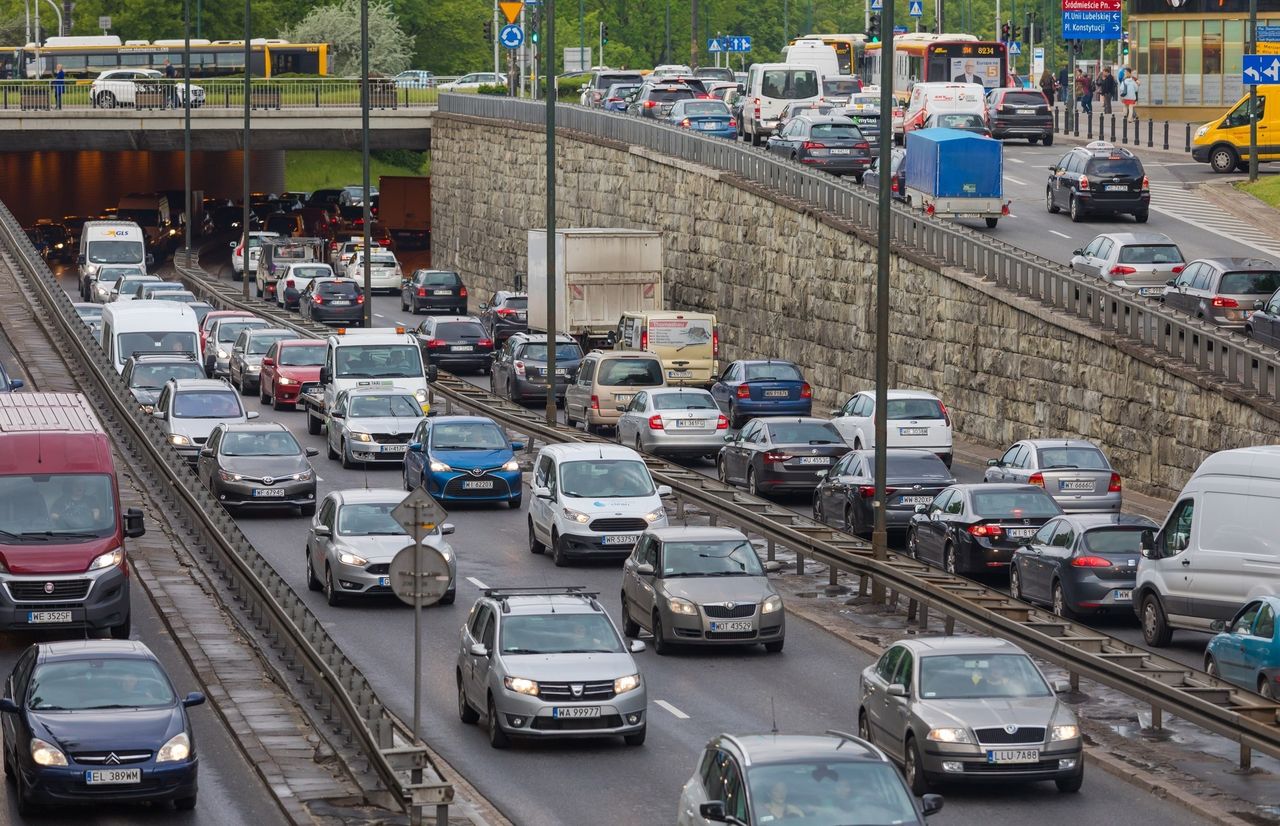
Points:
[(788, 282)]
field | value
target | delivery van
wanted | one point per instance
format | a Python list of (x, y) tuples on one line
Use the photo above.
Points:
[(62, 529), (134, 327), (687, 343), (1224, 143), (771, 86), (109, 243), (1218, 548), (931, 98)]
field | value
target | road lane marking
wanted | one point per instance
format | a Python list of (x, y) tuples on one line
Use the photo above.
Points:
[(1013, 180), (674, 711), (477, 583), (378, 315), (1017, 160), (1060, 234)]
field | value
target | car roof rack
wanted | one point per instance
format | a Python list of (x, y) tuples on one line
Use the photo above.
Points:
[(502, 594), (168, 354)]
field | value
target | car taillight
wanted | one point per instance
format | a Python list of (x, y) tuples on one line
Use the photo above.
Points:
[(715, 341), (930, 209), (655, 423), (732, 122), (893, 185), (433, 343), (1084, 181), (240, 250), (317, 298), (644, 339), (384, 242), (813, 145), (685, 123), (1036, 479), (649, 104), (615, 100), (1004, 209), (485, 342), (1121, 269), (946, 415), (865, 146), (1146, 184), (744, 392), (990, 531), (866, 491), (462, 292), (775, 458), (703, 96), (505, 311), (1178, 268), (595, 402), (289, 283), (806, 392), (360, 299), (1223, 301), (1114, 486), (722, 422), (1090, 562), (422, 292)]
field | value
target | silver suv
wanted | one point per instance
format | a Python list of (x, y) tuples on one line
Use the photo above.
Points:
[(546, 663)]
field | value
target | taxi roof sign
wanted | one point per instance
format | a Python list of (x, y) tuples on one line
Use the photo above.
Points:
[(511, 8)]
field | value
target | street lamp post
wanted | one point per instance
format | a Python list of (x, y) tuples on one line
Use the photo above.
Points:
[(553, 325), (186, 124), (879, 535), (367, 253), (244, 227)]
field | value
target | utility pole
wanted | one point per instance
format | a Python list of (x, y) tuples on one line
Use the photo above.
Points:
[(1253, 95), (553, 324), (244, 226), (884, 254), (186, 124), (693, 34), (366, 254), (497, 27)]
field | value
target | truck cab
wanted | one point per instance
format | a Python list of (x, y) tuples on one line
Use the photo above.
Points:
[(375, 357)]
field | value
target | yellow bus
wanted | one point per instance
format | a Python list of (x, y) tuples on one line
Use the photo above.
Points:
[(87, 57), (849, 49), (922, 57)]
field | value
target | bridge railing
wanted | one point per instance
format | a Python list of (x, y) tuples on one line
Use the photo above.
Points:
[(211, 93), (1227, 356)]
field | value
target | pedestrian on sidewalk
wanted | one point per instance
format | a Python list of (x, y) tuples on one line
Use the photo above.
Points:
[(1049, 86), (1129, 95), (59, 84), (1084, 92), (171, 74), (1108, 88)]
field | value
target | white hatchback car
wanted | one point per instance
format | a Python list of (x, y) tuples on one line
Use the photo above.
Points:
[(916, 419), (384, 270), (121, 87), (592, 501)]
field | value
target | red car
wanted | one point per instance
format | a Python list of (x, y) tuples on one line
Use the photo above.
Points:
[(209, 319), (287, 366)]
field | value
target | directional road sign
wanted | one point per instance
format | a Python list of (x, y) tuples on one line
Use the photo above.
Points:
[(1015, 47), (899, 29), (1092, 5), (877, 5), (511, 36), (715, 45), (737, 43), (1091, 25), (511, 9), (419, 509), (1269, 34), (916, 8), (424, 579), (1261, 70)]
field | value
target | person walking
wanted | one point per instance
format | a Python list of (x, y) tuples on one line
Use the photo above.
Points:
[(1084, 92), (59, 85), (1108, 88), (1129, 95), (1049, 86), (171, 75)]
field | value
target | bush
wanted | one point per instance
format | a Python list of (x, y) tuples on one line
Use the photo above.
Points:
[(492, 89), (569, 89)]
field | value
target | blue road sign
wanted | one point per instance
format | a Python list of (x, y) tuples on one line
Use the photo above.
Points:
[(511, 36), (916, 8), (1091, 25), (1015, 47), (899, 29), (1261, 70), (1269, 34), (877, 5), (716, 45), (737, 43)]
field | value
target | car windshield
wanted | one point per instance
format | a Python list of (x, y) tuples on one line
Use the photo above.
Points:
[(303, 355), (153, 376), (789, 84), (1024, 99), (369, 519), (833, 793), (916, 466), (1150, 254), (130, 283), (668, 95), (1251, 282), (729, 557), (1088, 458), (1114, 540), (537, 351), (630, 373), (338, 289), (164, 286), (804, 433), (683, 401), (310, 272), (111, 275), (37, 508), (260, 444), (207, 404), (229, 330), (156, 342), (517, 302), (259, 345), (842, 131), (980, 676), (605, 479), (88, 684), (439, 279), (843, 86), (459, 331), (559, 634), (865, 100), (705, 107), (960, 121), (378, 361), (1013, 504), (914, 409), (177, 296), (468, 436), (116, 252), (773, 371), (363, 406)]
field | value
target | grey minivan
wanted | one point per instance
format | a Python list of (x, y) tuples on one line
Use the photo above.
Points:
[(1223, 291)]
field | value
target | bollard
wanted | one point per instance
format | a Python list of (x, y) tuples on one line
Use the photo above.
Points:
[(1113, 127), (1150, 133), (1088, 126), (1076, 130), (1075, 682), (1125, 131), (923, 625), (913, 608), (1188, 137), (1166, 135), (799, 563), (1055, 120), (949, 626), (864, 585), (317, 91), (1246, 759), (1102, 127), (833, 576)]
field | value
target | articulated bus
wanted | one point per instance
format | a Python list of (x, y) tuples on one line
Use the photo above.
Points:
[(849, 49), (921, 57), (86, 57)]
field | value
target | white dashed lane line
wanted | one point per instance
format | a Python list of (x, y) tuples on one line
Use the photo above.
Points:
[(1060, 235), (674, 711), (477, 583)]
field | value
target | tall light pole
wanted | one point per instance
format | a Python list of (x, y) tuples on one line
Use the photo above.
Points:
[(553, 323), (366, 254), (1253, 95), (244, 281), (884, 254), (186, 123)]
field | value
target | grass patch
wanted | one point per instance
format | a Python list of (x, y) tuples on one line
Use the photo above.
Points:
[(1265, 189), (312, 169)]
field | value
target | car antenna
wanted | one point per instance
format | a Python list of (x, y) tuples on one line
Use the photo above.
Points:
[(773, 714)]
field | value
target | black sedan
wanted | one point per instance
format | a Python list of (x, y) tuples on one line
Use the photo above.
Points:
[(1081, 563), (831, 143), (779, 455), (455, 343), (847, 493), (94, 721), (333, 301), (976, 528), (440, 291)]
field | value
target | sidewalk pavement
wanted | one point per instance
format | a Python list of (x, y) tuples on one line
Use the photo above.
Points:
[(1150, 136)]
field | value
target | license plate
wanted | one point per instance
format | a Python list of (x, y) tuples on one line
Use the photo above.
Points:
[(576, 712), (623, 398), (1021, 533), (777, 394), (340, 303), (48, 616), (268, 493), (680, 374), (462, 348), (1076, 484), (706, 126), (478, 484), (384, 581), (839, 151), (1013, 755), (522, 316), (112, 777), (393, 448), (442, 292), (691, 423), (620, 539), (814, 460), (737, 625), (913, 431), (561, 371), (1122, 596), (1026, 111), (915, 500), (1116, 188), (1150, 290)]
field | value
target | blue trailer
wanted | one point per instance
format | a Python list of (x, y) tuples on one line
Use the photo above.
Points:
[(955, 174)]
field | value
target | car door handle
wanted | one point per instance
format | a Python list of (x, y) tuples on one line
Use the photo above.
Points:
[(1186, 563)]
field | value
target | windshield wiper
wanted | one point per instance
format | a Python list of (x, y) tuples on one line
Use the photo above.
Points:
[(71, 534), (524, 651), (113, 705)]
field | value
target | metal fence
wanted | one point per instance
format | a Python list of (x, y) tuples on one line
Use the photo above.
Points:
[(1226, 355), (212, 93)]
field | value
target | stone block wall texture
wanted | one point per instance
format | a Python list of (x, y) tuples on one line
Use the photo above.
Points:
[(785, 283)]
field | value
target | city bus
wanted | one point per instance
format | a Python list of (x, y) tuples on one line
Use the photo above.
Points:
[(86, 57), (921, 57), (849, 49)]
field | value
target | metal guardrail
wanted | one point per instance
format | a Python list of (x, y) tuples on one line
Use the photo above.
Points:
[(1226, 355), (406, 774), (1227, 710), (211, 93)]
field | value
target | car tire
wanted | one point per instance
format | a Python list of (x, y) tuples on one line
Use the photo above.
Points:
[(774, 647), (498, 738), (348, 462), (1142, 217), (1033, 141), (913, 769), (105, 100), (1155, 626), (535, 544), (630, 628), (240, 385), (1265, 688), (1073, 208), (313, 424), (1223, 159), (949, 559), (991, 222), (313, 584), (753, 487), (184, 804), (722, 471), (329, 451), (1060, 606), (263, 398), (26, 808), (307, 510), (1071, 785), (849, 520), (660, 645), (1048, 140), (636, 738), (121, 631), (864, 728), (1048, 202), (818, 515), (514, 504), (404, 308), (557, 551), (913, 547), (466, 713), (450, 597), (1015, 583), (331, 594), (1211, 667)]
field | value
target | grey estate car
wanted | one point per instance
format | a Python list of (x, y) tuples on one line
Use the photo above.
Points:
[(969, 709), (548, 663)]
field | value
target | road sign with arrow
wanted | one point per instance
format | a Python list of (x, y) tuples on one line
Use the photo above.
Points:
[(1261, 70)]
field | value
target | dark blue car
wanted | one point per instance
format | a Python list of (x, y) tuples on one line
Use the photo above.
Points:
[(615, 99), (1247, 649), (464, 459), (93, 721), (748, 389)]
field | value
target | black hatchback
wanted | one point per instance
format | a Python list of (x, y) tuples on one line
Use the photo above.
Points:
[(1098, 179), (333, 300), (433, 290), (506, 314), (1020, 113), (455, 343), (831, 143)]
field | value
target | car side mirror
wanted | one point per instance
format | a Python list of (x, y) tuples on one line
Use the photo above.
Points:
[(14, 384), (822, 474), (1258, 305), (313, 451), (1218, 626), (415, 447), (158, 414), (478, 650), (517, 445), (729, 437), (1147, 544), (133, 525), (644, 569), (322, 530), (713, 811), (83, 260), (337, 414), (151, 259), (897, 690), (922, 508), (252, 414), (195, 698), (637, 646), (206, 451), (621, 407), (835, 412), (772, 566), (1171, 282), (326, 375), (447, 528), (994, 463), (267, 361), (930, 804), (9, 705), (539, 492), (1053, 168), (664, 490), (1061, 686), (1079, 251)]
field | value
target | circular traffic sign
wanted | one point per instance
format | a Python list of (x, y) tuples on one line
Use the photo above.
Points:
[(511, 36), (431, 580)]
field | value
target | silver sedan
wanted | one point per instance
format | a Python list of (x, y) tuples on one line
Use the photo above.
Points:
[(679, 422), (1073, 471)]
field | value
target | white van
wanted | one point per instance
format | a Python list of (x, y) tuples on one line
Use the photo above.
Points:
[(109, 243), (1218, 548), (813, 53), (930, 98), (148, 327), (769, 87)]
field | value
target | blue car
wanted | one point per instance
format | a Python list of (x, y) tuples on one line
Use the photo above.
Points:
[(615, 99), (1247, 651), (706, 117), (6, 383), (464, 459), (764, 387), (94, 721)]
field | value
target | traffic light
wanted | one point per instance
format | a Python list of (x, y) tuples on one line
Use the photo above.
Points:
[(1124, 45), (488, 31), (604, 34), (1026, 34), (873, 28), (1005, 34)]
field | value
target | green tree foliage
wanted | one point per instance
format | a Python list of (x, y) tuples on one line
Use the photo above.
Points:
[(390, 49)]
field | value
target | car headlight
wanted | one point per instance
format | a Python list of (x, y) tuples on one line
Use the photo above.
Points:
[(303, 476), (420, 394), (254, 368), (628, 683), (46, 754), (1065, 732), (360, 437), (512, 465), (438, 467), (110, 559), (222, 354), (178, 748), (227, 476), (348, 558), (285, 381), (1202, 131), (178, 439), (654, 515), (521, 686), (577, 516), (772, 604), (950, 735), (682, 606)]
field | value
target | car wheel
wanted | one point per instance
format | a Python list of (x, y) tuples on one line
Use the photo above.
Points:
[(313, 584), (331, 594), (752, 487), (660, 645), (639, 447), (850, 520), (1211, 667), (329, 451), (636, 738), (1155, 627), (514, 504), (497, 737), (244, 389), (1142, 217), (307, 510), (1048, 202), (818, 515), (1048, 140), (949, 558), (774, 647), (25, 807), (913, 546), (1223, 159), (1060, 606), (185, 804), (722, 472), (404, 308), (313, 425), (1033, 141), (913, 769), (263, 398), (466, 713), (347, 461), (535, 545), (1071, 785), (1015, 583), (630, 628), (1265, 688), (1073, 206), (106, 100), (557, 551)]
